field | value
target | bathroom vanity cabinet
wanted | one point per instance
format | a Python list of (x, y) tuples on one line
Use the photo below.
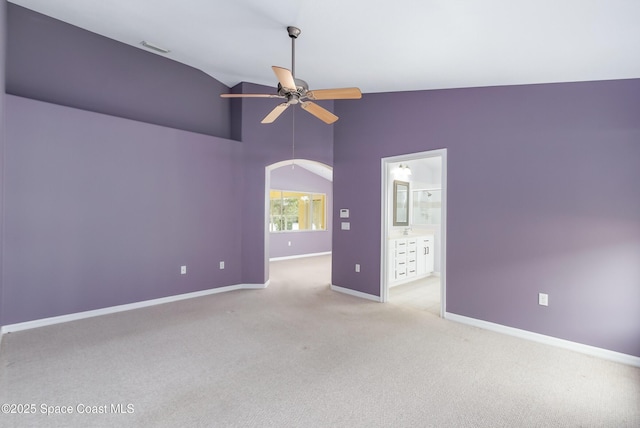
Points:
[(410, 258)]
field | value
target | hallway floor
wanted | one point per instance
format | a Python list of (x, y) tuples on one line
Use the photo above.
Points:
[(421, 294)]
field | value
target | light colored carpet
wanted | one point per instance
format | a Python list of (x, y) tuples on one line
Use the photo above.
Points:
[(300, 355)]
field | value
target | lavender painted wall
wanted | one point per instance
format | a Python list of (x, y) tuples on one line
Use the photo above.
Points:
[(311, 242), (103, 211), (265, 145), (542, 197), (53, 61)]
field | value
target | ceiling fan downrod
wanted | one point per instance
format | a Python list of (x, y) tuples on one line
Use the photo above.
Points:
[(294, 32)]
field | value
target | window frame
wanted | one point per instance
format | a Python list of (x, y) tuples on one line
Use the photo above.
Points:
[(283, 218)]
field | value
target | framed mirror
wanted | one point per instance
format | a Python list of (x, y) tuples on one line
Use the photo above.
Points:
[(400, 203)]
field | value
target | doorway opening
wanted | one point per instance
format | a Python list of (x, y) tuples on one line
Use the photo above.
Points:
[(413, 232), (298, 203)]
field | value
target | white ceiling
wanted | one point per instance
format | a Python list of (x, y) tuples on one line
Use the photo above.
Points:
[(378, 45)]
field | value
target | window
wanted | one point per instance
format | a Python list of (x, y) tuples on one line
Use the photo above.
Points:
[(290, 211)]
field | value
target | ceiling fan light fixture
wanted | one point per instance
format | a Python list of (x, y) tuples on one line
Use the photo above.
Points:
[(154, 47)]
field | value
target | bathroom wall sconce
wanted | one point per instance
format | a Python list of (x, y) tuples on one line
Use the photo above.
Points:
[(401, 171)]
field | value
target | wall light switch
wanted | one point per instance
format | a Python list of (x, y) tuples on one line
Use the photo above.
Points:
[(289, 243), (357, 267), (183, 270), (221, 265), (543, 299), (344, 213), (345, 225)]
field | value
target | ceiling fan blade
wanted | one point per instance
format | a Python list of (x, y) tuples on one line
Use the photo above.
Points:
[(251, 96), (320, 112), (273, 115), (335, 94), (285, 78)]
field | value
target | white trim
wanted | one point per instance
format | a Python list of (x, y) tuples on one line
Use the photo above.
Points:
[(384, 230), (255, 286), (299, 256), (355, 293), (126, 307), (593, 351), (443, 232), (265, 222)]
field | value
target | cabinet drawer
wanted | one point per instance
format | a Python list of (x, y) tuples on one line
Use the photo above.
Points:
[(400, 254), (401, 265), (412, 269), (398, 243), (398, 247)]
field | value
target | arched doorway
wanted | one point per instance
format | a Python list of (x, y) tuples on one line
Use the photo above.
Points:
[(305, 179)]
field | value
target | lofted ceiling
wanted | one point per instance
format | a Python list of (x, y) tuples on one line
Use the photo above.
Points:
[(378, 45)]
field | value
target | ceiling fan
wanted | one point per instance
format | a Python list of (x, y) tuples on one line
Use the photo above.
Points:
[(296, 91)]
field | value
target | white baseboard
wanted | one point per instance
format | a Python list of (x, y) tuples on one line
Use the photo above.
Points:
[(121, 308), (298, 256), (255, 286), (605, 354), (355, 293)]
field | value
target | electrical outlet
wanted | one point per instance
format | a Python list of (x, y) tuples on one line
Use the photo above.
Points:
[(183, 270), (221, 265), (357, 267), (543, 299)]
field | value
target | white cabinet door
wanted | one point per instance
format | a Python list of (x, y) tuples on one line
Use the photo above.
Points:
[(425, 257), (430, 256)]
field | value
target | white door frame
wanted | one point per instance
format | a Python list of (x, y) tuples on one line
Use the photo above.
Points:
[(384, 230)]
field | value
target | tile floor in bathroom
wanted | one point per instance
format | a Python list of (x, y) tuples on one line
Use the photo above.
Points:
[(421, 294)]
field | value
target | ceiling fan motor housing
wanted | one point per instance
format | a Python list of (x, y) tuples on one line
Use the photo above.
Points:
[(293, 97)]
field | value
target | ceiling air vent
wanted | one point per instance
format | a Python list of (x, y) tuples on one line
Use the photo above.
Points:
[(154, 47)]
